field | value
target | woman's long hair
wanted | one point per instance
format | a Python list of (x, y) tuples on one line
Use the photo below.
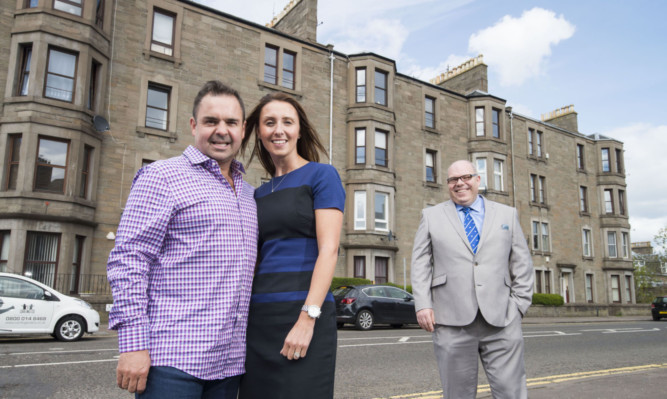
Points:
[(308, 146)]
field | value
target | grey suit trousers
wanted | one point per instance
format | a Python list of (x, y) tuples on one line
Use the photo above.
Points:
[(500, 349)]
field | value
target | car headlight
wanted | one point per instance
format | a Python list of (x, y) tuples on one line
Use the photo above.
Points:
[(83, 303)]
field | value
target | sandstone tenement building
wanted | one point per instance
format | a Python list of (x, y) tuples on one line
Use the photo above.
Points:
[(137, 64)]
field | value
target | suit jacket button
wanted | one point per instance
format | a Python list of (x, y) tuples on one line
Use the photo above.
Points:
[(476, 263)]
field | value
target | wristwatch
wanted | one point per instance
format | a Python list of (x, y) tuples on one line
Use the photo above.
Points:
[(313, 311)]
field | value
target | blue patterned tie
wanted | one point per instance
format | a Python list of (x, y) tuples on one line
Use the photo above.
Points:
[(471, 230)]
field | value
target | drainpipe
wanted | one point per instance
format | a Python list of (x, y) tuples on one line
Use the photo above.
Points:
[(511, 116), (332, 58)]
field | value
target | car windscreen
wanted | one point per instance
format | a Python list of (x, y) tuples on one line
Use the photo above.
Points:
[(341, 291)]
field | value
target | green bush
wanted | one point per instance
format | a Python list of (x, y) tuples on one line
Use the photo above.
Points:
[(548, 299), (408, 288), (339, 281)]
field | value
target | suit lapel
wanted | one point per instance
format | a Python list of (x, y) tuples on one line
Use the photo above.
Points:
[(453, 217), (489, 215)]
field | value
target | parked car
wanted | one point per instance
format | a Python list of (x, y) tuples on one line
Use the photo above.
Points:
[(368, 305), (30, 307), (659, 307)]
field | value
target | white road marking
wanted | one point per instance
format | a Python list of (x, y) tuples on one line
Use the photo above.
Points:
[(57, 351), (57, 364), (622, 330)]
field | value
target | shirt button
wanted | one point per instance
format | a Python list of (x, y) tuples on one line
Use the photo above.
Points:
[(476, 264)]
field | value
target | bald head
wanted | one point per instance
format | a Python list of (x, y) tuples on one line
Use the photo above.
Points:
[(461, 191)]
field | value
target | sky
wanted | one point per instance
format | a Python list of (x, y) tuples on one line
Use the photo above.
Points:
[(608, 58)]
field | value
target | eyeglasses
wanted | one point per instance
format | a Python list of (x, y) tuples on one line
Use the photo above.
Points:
[(464, 178)]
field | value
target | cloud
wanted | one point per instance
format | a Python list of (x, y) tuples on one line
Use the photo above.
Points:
[(644, 158), (518, 48), (381, 36)]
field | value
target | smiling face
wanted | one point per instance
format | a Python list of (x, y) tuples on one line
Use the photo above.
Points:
[(219, 128), (279, 130), (463, 192)]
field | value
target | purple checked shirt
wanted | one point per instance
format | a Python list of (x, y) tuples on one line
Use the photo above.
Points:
[(182, 267)]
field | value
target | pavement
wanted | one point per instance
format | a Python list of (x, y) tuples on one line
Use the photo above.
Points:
[(646, 382)]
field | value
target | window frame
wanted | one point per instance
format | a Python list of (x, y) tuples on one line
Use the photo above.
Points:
[(30, 3), (612, 245), (625, 244), (605, 161), (71, 3), (621, 202), (86, 163), (432, 154), (619, 161), (589, 287), (531, 146), (73, 78), (23, 87), (580, 154), (378, 221), (158, 47), (381, 263), (583, 199), (360, 85), (615, 290), (283, 82), (385, 149), (545, 235), (93, 87), (480, 130), (13, 163), (608, 198), (381, 89), (495, 123), (628, 288), (360, 209), (498, 178), (99, 13), (157, 87), (429, 116), (539, 144), (482, 172), (5, 241), (51, 275), (45, 165), (362, 264), (587, 242), (359, 133), (533, 187)]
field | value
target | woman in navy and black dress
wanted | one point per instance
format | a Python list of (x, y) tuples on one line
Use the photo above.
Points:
[(291, 339)]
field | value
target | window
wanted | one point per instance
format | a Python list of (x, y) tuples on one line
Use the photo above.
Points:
[(498, 174), (14, 145), (157, 106), (51, 165), (69, 6), (611, 244), (381, 211), (481, 171), (541, 236), (621, 202), (625, 239), (589, 288), (538, 281), (24, 78), (531, 148), (162, 38), (547, 281), (99, 14), (360, 210), (77, 258), (586, 242), (431, 176), (615, 289), (360, 267), (628, 289), (429, 112), (605, 160), (538, 142), (580, 157), (289, 68), (533, 188), (360, 146), (4, 250), (60, 76), (495, 119), (380, 87), (381, 269), (41, 258), (361, 85), (545, 237), (619, 161), (380, 148), (479, 121), (608, 201), (541, 197), (85, 171), (583, 199), (92, 89), (30, 3), (270, 64)]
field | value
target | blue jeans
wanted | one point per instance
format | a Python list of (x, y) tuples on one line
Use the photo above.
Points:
[(169, 382)]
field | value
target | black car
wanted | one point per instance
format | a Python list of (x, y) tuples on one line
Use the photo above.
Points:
[(367, 305), (659, 307)]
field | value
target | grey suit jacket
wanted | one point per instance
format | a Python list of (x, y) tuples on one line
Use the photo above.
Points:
[(449, 278)]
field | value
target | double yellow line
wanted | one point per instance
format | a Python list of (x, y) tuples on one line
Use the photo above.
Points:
[(541, 381)]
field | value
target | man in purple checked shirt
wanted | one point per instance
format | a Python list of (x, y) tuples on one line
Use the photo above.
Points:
[(181, 271)]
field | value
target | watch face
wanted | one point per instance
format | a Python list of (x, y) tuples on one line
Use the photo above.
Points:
[(314, 311)]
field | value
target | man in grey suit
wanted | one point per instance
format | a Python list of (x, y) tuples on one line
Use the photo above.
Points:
[(472, 278)]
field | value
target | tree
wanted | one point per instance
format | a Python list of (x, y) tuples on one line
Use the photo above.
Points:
[(650, 276)]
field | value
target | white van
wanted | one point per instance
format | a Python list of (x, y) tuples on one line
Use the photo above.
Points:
[(30, 307)]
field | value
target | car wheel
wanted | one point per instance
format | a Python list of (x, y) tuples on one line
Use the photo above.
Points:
[(656, 318), (364, 320), (397, 325), (69, 328), (339, 325)]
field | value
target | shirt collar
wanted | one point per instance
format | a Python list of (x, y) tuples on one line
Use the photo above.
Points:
[(196, 157), (477, 206)]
